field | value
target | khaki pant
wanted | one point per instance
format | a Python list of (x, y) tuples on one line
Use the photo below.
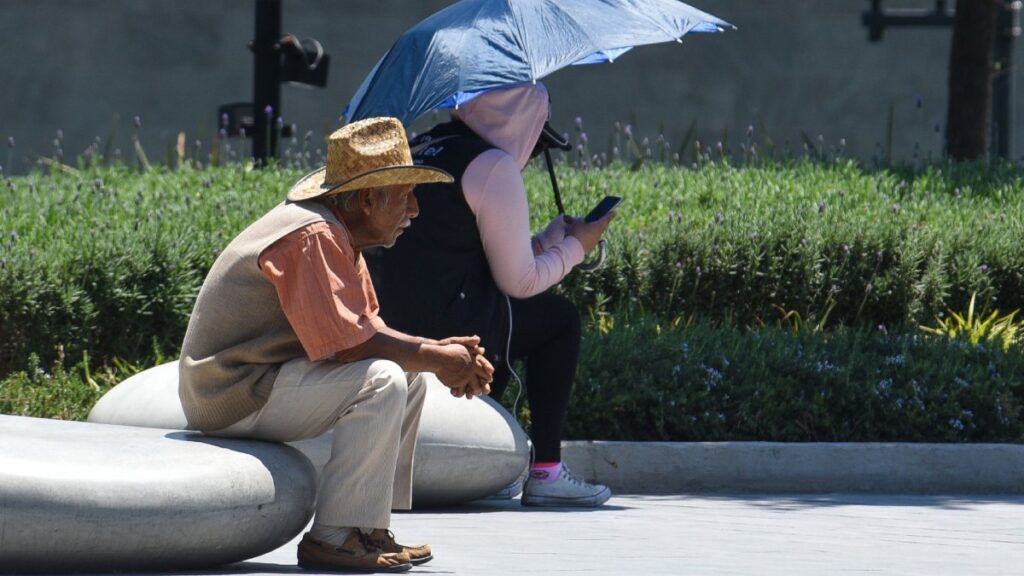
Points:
[(374, 408)]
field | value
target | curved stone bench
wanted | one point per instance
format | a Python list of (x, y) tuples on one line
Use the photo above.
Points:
[(465, 450), (76, 496)]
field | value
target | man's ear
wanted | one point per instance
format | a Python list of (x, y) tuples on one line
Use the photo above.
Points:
[(366, 200)]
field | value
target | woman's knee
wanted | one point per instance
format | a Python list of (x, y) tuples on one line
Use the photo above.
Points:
[(568, 315)]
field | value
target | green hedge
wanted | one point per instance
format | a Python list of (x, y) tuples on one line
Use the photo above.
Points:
[(642, 381), (107, 261), (99, 269), (834, 243)]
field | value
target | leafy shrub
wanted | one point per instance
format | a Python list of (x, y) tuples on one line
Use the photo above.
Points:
[(108, 262), (58, 393), (103, 264), (867, 248), (642, 380), (991, 328)]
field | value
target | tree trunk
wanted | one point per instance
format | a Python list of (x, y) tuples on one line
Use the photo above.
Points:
[(969, 120)]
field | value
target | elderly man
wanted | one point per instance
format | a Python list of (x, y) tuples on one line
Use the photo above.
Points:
[(285, 343)]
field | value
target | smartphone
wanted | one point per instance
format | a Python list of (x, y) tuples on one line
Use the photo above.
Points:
[(605, 206)]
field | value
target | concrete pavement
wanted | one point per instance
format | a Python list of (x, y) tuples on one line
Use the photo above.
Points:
[(792, 535)]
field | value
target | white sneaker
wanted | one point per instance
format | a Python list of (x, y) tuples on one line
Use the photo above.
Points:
[(567, 490)]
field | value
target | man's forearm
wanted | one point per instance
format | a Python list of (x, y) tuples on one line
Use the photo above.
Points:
[(413, 354)]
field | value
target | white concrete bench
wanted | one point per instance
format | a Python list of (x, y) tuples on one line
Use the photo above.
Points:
[(467, 449), (77, 496)]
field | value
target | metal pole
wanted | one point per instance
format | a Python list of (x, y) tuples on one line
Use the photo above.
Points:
[(267, 79), (1007, 30)]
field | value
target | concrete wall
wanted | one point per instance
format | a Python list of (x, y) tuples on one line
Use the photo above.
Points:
[(792, 66)]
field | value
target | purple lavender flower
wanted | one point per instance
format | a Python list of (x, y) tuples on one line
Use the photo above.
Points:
[(224, 119), (584, 138), (984, 268), (223, 132), (280, 122), (269, 110), (846, 248), (137, 121), (896, 207), (241, 132), (579, 123), (628, 130)]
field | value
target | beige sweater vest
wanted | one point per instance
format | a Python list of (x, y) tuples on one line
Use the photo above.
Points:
[(238, 335)]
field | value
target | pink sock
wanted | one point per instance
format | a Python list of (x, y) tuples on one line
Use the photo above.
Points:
[(545, 471)]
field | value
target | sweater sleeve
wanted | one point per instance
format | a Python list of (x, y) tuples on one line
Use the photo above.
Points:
[(494, 190)]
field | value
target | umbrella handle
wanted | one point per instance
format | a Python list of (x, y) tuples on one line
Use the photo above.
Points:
[(602, 246), (554, 181), (602, 255)]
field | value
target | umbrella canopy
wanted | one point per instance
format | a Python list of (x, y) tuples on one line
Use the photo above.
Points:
[(476, 45)]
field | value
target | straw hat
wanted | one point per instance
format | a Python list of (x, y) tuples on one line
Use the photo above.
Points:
[(365, 154)]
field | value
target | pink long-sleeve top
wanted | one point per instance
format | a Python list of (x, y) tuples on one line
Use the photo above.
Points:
[(511, 119)]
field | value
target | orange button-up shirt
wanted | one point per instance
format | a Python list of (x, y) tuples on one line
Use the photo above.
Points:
[(324, 288)]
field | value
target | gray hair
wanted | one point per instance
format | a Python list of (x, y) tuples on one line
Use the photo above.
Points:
[(346, 201)]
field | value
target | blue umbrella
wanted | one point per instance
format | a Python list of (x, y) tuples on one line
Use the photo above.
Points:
[(476, 45)]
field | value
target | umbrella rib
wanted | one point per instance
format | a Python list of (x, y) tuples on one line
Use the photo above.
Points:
[(462, 54), (670, 33), (579, 26), (522, 34)]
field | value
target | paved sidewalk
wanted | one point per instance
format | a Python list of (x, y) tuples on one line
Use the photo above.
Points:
[(793, 535)]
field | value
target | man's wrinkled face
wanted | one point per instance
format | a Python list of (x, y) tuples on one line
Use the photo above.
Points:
[(391, 217)]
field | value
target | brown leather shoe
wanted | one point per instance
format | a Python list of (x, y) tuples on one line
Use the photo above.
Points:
[(357, 554), (385, 539)]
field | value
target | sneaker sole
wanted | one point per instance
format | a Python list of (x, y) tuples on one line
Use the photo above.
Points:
[(582, 502)]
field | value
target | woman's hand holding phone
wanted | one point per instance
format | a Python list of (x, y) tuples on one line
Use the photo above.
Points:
[(589, 230), (589, 233)]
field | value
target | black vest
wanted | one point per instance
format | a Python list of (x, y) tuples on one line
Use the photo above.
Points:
[(435, 281)]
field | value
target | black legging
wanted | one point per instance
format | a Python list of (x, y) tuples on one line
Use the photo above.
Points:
[(546, 332)]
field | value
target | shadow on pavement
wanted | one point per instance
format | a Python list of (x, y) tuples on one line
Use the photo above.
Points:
[(806, 501), (490, 506)]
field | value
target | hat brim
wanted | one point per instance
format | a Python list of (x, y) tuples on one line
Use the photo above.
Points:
[(312, 185)]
